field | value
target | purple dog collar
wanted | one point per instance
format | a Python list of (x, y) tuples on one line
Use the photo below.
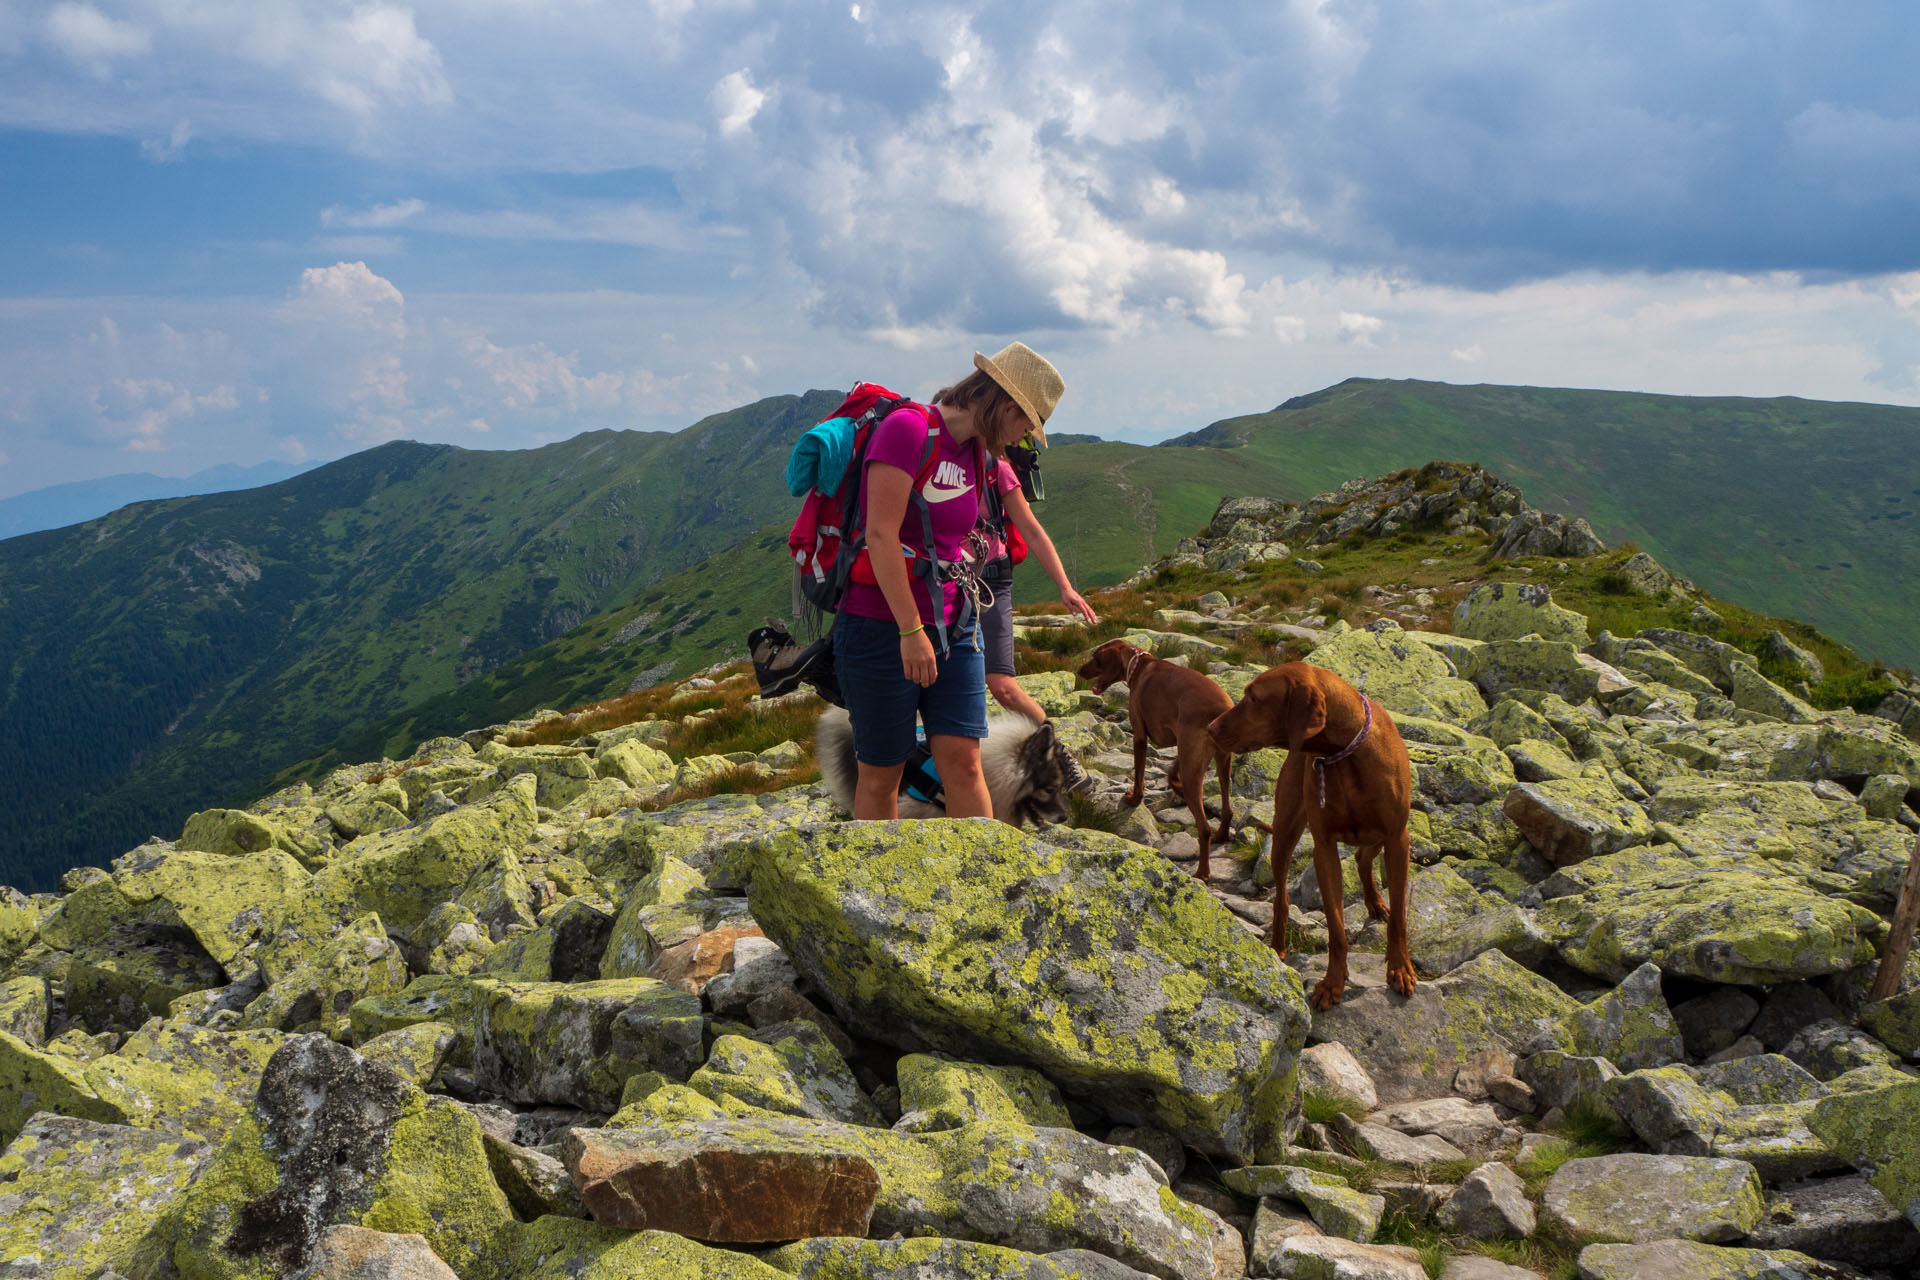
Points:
[(1320, 763)]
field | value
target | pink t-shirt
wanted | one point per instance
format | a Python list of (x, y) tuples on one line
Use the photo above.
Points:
[(1005, 480), (952, 491)]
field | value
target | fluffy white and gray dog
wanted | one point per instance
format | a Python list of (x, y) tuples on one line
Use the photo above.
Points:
[(1020, 757)]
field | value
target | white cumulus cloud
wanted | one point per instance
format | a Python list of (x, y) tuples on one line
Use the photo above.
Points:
[(93, 39)]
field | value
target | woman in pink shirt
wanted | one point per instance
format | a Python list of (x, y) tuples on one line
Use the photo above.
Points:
[(884, 655)]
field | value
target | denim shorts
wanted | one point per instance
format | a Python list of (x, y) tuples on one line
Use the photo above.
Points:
[(882, 702)]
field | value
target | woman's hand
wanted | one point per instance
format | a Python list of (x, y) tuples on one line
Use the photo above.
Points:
[(916, 657), (1078, 603)]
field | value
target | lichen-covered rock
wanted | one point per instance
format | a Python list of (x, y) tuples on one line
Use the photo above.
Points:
[(1841, 744), (1762, 1080), (576, 1043), (649, 922), (937, 1093), (536, 1183), (1335, 1208), (414, 1053), (77, 1196), (1630, 1026), (1087, 958), (402, 875), (793, 1070), (565, 946), (1317, 1257), (1560, 1079), (1668, 1109), (1572, 819), (1491, 1202), (556, 1248), (1830, 1049), (560, 773), (1717, 919), (239, 834), (1775, 1140), (1041, 1190), (445, 998), (450, 940), (186, 1080), (1400, 674), (333, 1138), (1407, 1043), (23, 1008), (1331, 1071), (640, 766), (1754, 692), (1690, 1260), (318, 993), (1895, 1022), (845, 1259), (1511, 610), (356, 1253), (1552, 666), (1473, 1126), (134, 973), (1878, 1131), (1841, 1219), (232, 905), (33, 1080), (1635, 1198), (693, 965)]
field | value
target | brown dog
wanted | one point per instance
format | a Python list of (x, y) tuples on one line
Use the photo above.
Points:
[(1170, 706), (1346, 779)]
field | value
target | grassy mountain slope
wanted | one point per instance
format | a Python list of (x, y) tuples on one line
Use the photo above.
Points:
[(160, 659), (1110, 508), (1797, 507)]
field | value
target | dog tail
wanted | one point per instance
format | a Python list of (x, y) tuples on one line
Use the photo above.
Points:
[(833, 751)]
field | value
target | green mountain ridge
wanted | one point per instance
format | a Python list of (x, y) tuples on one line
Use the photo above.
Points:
[(1803, 508)]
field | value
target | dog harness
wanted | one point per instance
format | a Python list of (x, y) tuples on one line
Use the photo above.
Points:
[(1320, 763)]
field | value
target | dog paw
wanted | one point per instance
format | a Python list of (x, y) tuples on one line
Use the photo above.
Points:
[(1378, 910), (1400, 978), (1329, 992), (1130, 799)]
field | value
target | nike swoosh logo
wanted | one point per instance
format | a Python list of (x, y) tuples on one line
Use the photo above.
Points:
[(933, 492)]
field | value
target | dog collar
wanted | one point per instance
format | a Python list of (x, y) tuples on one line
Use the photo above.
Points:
[(1320, 763), (1133, 664)]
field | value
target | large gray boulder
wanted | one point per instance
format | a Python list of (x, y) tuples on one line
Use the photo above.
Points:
[(1635, 1198), (1087, 957)]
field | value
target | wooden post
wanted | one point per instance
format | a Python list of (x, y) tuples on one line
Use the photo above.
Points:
[(1906, 915)]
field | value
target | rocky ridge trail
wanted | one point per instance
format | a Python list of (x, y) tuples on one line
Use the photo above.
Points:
[(527, 1005)]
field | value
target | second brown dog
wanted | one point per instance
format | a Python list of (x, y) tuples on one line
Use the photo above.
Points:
[(1346, 778), (1170, 706)]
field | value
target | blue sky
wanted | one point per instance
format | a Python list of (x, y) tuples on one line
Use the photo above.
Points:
[(291, 229)]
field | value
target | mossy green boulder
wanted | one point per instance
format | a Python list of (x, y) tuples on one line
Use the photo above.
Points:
[(449, 998), (78, 1197), (1695, 1261), (1510, 610), (23, 1008), (842, 1258), (795, 1071), (575, 1043), (332, 1138), (1713, 918), (318, 993), (556, 1248), (939, 1093), (195, 1081), (1412, 1045), (33, 1080), (1635, 1198), (1878, 1131), (1400, 674), (1089, 958)]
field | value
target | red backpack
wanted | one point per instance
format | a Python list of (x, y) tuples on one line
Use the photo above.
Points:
[(828, 545)]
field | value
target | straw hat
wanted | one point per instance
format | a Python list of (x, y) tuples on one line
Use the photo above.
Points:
[(1024, 374)]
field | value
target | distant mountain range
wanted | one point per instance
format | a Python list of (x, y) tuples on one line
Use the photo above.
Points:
[(60, 505), (183, 653)]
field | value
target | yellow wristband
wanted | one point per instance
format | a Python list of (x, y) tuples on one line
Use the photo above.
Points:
[(910, 630)]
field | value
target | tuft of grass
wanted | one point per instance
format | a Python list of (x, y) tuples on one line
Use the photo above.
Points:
[(1088, 814), (1321, 1108), (745, 726), (1409, 1232)]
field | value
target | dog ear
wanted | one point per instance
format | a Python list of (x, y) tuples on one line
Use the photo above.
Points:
[(1038, 746), (1306, 713)]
